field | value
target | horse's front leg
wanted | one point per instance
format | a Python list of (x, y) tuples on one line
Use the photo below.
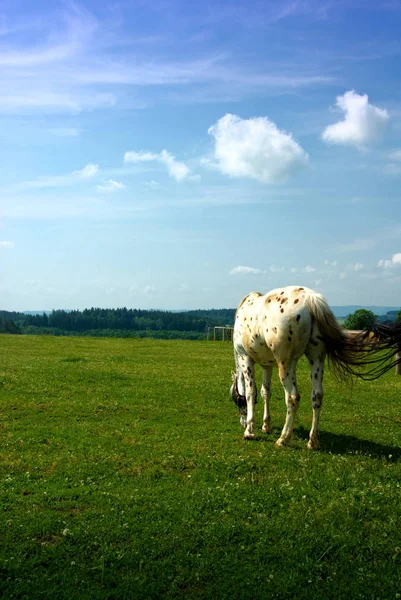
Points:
[(266, 395), (250, 394)]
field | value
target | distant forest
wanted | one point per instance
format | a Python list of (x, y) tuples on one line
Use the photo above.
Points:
[(118, 322)]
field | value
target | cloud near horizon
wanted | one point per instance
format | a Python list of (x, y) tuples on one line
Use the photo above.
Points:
[(254, 148), (363, 123), (240, 270), (394, 261)]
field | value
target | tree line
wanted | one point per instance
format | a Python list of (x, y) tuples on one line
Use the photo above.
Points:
[(119, 322)]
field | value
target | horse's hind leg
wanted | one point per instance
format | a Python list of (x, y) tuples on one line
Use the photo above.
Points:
[(287, 373), (266, 395), (316, 355)]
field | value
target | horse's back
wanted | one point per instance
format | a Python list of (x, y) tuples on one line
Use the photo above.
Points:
[(274, 327)]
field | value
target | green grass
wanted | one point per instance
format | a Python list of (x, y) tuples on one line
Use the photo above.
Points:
[(123, 474)]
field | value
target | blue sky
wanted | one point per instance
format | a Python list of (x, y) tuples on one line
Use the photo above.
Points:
[(174, 155)]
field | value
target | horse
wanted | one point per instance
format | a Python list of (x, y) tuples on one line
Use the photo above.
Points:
[(276, 329)]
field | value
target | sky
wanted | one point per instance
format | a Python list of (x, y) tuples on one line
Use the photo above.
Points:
[(177, 155)]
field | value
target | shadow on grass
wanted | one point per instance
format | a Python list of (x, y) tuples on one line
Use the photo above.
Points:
[(334, 443), (348, 444)]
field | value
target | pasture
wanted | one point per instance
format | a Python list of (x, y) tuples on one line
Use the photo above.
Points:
[(123, 474)]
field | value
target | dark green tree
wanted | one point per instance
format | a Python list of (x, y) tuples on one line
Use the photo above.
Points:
[(360, 319), (8, 326)]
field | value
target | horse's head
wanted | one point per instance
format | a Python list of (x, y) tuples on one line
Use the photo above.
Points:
[(238, 398)]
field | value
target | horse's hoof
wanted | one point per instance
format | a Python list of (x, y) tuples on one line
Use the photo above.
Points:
[(313, 445), (249, 436), (266, 429), (280, 443)]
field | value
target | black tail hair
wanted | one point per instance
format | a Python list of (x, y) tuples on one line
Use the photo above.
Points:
[(366, 354)]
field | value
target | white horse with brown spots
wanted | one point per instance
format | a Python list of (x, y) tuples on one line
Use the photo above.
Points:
[(276, 330)]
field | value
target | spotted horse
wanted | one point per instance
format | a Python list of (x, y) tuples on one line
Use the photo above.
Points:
[(276, 329)]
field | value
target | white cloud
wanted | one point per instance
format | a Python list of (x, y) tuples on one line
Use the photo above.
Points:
[(53, 181), (363, 122), (255, 148), (395, 261), (6, 244), (88, 171), (309, 269), (244, 271), (357, 266), (142, 156), (176, 169), (385, 263), (329, 263), (111, 186)]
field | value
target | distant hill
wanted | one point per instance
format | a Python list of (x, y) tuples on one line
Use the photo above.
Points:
[(343, 311)]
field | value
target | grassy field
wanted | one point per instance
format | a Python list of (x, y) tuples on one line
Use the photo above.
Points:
[(124, 475)]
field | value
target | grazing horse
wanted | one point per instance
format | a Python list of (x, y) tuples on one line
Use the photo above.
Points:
[(276, 330)]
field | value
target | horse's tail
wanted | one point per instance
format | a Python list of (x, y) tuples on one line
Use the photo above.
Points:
[(366, 354)]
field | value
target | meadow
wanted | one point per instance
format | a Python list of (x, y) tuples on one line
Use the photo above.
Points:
[(124, 475)]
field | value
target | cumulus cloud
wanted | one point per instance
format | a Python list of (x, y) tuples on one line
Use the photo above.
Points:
[(87, 172), (309, 269), (357, 266), (363, 122), (6, 244), (255, 148), (394, 261), (176, 169), (244, 271), (111, 186)]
